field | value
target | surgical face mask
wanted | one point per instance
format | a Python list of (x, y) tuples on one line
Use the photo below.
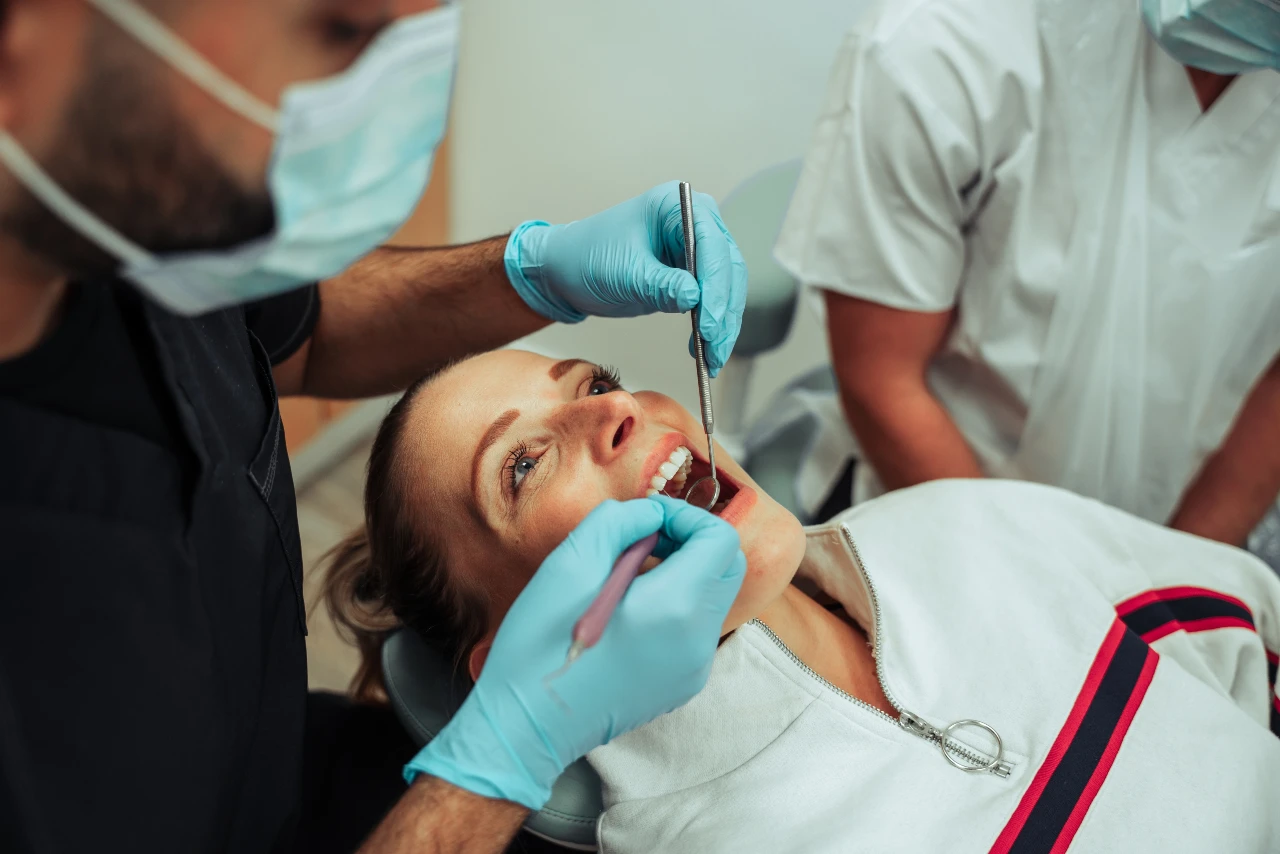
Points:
[(352, 157), (1220, 36)]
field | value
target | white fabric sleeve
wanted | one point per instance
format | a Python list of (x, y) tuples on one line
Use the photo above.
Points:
[(1127, 559), (892, 177), (1145, 557), (1231, 657)]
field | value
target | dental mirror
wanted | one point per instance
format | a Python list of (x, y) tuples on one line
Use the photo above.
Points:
[(703, 492)]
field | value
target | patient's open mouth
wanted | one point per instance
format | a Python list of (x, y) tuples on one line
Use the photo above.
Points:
[(681, 470)]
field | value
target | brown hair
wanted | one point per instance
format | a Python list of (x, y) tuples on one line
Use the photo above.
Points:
[(393, 573)]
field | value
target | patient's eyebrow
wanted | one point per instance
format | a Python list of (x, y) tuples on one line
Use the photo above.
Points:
[(493, 434), (559, 369)]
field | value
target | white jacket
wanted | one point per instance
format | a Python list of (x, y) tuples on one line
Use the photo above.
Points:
[(1123, 665), (1045, 168)]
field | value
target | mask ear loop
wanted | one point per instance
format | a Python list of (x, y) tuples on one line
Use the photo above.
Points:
[(156, 37), (74, 214), (160, 40)]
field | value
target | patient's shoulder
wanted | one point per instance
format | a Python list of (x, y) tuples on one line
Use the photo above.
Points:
[(1005, 516), (953, 498), (993, 523)]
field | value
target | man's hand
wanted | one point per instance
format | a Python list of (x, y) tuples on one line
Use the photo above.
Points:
[(401, 312), (629, 261), (515, 734), (1239, 482)]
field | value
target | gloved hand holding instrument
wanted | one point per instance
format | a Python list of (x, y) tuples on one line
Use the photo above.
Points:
[(703, 492), (628, 261), (512, 738)]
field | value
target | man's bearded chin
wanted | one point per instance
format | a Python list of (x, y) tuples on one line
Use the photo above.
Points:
[(124, 154)]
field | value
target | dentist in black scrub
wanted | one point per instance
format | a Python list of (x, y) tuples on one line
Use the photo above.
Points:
[(192, 196)]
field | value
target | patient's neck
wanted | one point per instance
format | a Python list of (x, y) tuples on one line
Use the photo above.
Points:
[(829, 643)]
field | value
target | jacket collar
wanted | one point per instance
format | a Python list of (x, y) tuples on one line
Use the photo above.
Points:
[(753, 694)]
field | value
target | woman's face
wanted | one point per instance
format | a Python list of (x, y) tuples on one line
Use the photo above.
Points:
[(513, 450)]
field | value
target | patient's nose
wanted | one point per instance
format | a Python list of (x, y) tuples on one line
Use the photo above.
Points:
[(613, 420)]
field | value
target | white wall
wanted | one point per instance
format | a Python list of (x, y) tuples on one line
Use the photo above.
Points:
[(564, 107)]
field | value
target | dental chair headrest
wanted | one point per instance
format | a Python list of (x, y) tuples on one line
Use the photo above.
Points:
[(753, 212), (424, 694)]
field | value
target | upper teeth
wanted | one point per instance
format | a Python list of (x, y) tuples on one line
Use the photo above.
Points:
[(674, 468)]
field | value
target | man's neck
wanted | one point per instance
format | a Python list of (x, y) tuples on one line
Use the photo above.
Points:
[(828, 644), (31, 297), (1208, 86)]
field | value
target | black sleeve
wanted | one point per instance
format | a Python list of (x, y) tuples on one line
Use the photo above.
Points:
[(284, 322)]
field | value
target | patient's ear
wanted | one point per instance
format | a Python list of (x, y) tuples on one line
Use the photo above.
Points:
[(475, 661)]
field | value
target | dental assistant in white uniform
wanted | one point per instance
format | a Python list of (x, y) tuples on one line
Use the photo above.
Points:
[(1047, 237)]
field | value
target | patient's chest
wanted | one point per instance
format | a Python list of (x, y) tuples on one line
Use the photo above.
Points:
[(781, 766), (768, 758)]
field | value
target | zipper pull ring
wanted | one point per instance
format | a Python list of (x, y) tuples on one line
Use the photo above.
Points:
[(951, 748), (990, 765)]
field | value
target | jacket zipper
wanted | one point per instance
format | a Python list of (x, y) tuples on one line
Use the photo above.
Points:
[(906, 720)]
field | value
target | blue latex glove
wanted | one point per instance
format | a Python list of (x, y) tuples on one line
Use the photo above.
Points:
[(628, 261), (511, 739)]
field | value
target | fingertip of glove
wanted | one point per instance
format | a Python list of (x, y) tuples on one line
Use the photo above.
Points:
[(668, 505), (683, 289), (719, 354)]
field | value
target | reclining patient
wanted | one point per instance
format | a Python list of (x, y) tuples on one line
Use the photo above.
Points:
[(962, 666)]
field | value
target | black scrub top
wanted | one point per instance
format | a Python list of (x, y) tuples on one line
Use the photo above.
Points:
[(152, 662)]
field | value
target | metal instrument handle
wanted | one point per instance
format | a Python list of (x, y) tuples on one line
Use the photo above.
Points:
[(691, 264)]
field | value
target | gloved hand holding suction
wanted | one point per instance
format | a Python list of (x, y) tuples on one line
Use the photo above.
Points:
[(512, 737), (628, 261)]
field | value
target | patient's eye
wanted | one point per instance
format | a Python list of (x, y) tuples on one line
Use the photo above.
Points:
[(519, 464), (604, 379)]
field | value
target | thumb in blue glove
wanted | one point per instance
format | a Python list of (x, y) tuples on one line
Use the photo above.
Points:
[(629, 261), (512, 738)]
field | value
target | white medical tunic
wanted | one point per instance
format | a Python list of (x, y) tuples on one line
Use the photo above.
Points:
[(1128, 669), (1043, 167)]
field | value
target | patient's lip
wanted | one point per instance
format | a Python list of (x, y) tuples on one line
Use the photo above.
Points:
[(740, 506)]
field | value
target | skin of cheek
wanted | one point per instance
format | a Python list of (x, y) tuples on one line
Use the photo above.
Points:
[(264, 47), (549, 516), (774, 549), (55, 44), (249, 43), (557, 504)]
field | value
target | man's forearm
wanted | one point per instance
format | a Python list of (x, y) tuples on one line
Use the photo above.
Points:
[(907, 435), (435, 817), (399, 312), (1240, 481), (880, 356)]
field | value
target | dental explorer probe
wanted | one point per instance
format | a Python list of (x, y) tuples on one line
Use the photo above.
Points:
[(700, 359), (590, 626)]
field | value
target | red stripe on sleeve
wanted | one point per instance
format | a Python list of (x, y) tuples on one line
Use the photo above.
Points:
[(1063, 741), (1108, 757)]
